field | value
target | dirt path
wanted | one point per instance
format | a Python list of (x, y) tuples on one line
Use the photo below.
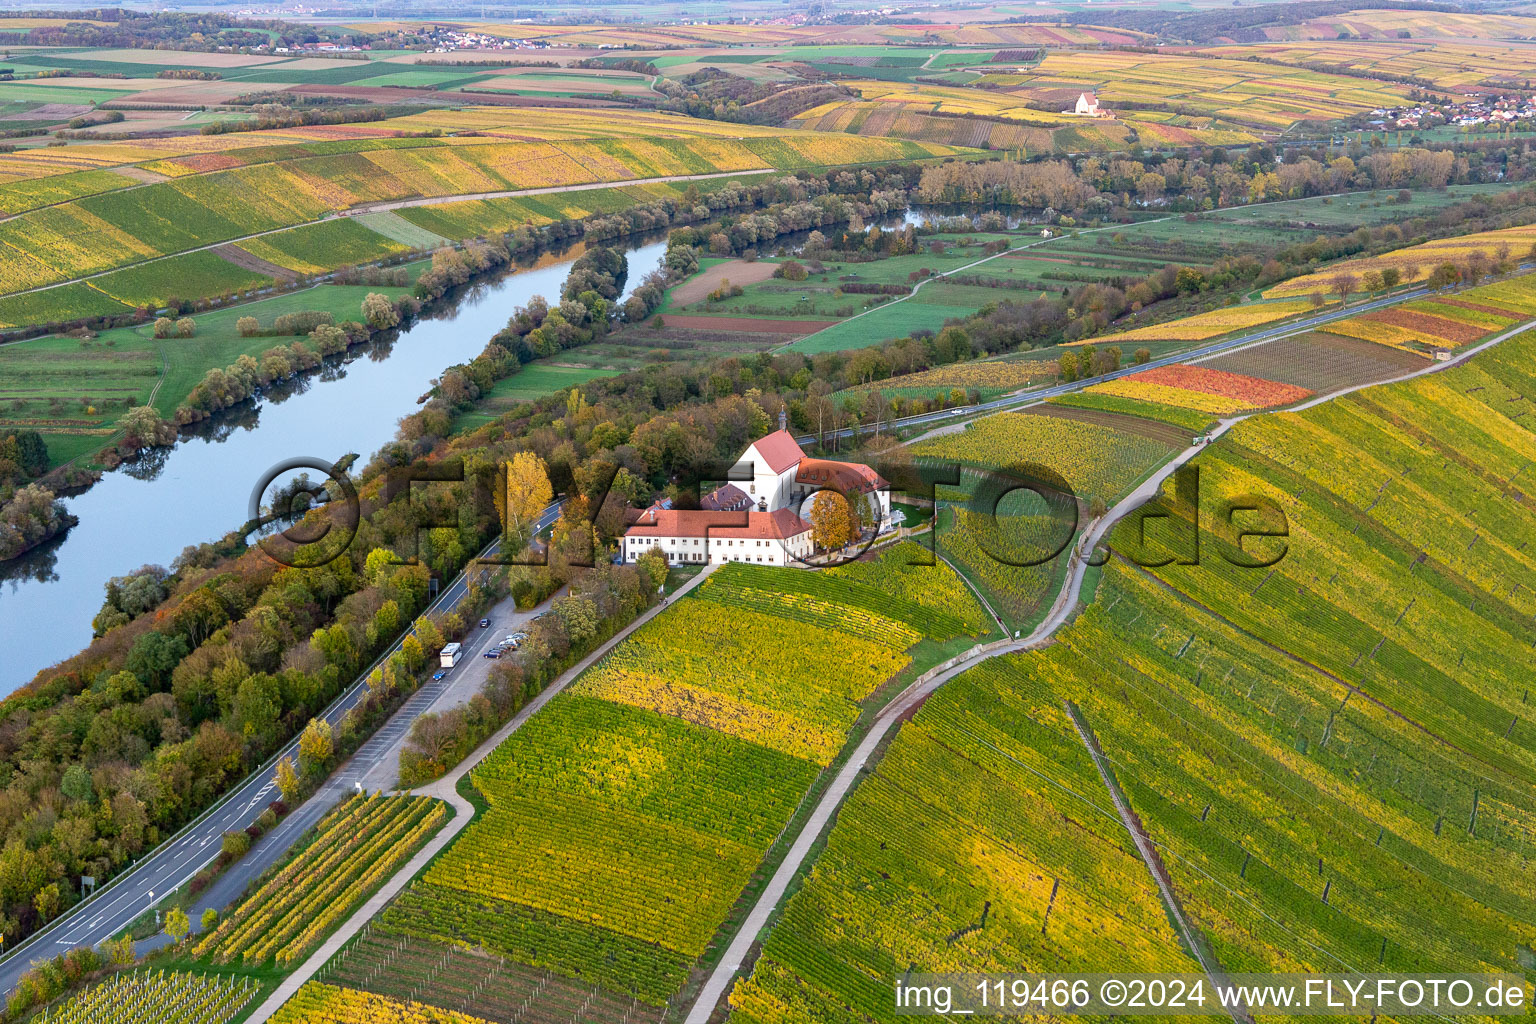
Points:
[(1061, 612), (398, 205), (735, 271)]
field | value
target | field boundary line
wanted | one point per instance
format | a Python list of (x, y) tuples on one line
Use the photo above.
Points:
[(1197, 945), (398, 204)]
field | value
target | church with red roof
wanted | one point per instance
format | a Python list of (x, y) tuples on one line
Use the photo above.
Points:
[(761, 516)]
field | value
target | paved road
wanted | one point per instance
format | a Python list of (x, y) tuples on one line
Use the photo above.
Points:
[(446, 788), (175, 861), (1020, 400), (1061, 611)]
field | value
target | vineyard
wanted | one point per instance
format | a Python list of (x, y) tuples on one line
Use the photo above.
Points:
[(1212, 324), (155, 997), (981, 842), (1232, 94), (1201, 390), (325, 1004), (1444, 321), (988, 549), (643, 798), (1094, 460), (991, 378), (476, 983), (358, 846), (1188, 419), (251, 189), (1497, 249)]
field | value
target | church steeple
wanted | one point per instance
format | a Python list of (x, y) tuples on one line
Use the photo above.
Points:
[(783, 417)]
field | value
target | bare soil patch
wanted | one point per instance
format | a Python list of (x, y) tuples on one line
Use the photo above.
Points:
[(52, 112), (748, 323), (1174, 437), (239, 257), (1319, 362), (190, 58), (740, 272), (148, 177)]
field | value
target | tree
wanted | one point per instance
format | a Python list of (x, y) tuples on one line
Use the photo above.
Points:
[(210, 919), (186, 327), (430, 637), (235, 844), (119, 951), (528, 491), (1390, 278), (831, 525), (1444, 276), (379, 312), (315, 745), (1068, 365), (654, 564), (77, 784), (1342, 285), (411, 651), (1143, 356), (1372, 281), (48, 902), (164, 327), (176, 924), (287, 779), (247, 326), (377, 563), (143, 428)]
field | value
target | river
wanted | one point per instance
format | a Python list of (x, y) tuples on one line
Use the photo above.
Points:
[(147, 511)]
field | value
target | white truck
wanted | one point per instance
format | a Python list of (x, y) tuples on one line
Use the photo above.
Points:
[(449, 655)]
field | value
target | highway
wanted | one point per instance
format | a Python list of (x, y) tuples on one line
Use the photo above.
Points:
[(175, 861), (1019, 400)]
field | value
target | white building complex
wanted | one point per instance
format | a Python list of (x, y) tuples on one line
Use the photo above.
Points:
[(760, 518)]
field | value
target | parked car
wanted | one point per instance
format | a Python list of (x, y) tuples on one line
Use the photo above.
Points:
[(494, 652), (439, 674)]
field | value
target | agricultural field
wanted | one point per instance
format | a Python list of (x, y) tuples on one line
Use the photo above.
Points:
[(230, 187), (1213, 324), (1298, 739), (1200, 389), (1220, 93), (1002, 119), (990, 378), (649, 792), (1319, 362), (1190, 421), (356, 848), (979, 843), (73, 391), (1006, 555), (141, 996), (533, 381), (1095, 461), (1415, 263), (1450, 64), (1444, 321)]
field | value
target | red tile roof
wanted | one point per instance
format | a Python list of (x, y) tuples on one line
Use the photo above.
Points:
[(728, 496), (843, 476), (779, 449), (780, 524)]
